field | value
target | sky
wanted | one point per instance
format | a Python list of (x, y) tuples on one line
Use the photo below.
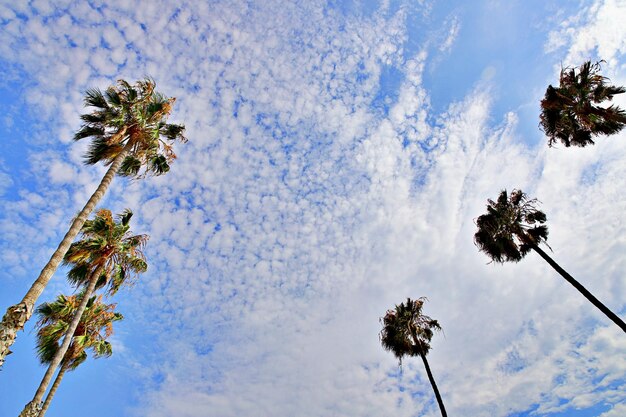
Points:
[(339, 153)]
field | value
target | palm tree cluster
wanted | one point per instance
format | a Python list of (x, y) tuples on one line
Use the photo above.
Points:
[(513, 225), (129, 132)]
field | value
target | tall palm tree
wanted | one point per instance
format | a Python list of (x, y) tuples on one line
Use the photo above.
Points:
[(570, 112), (94, 328), (407, 332), (512, 227), (128, 131), (106, 255)]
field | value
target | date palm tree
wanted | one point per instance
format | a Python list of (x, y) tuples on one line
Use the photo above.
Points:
[(128, 132), (94, 328), (571, 113), (512, 227), (407, 332), (107, 255)]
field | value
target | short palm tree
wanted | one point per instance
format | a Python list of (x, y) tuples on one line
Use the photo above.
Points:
[(107, 255), (128, 131), (570, 113), (94, 328), (512, 227), (407, 332)]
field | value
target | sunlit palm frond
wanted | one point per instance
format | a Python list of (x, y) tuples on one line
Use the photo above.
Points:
[(134, 114), (94, 328), (107, 245)]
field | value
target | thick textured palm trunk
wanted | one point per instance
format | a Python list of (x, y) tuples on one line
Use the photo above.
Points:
[(17, 315), (53, 390), (434, 385), (67, 339), (581, 289), (31, 410)]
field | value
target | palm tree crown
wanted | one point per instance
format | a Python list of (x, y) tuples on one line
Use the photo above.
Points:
[(511, 226), (570, 114), (134, 116), (108, 248), (406, 331), (94, 328)]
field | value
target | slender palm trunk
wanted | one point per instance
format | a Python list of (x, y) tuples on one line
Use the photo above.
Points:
[(434, 385), (580, 288), (417, 342), (67, 339), (53, 390), (17, 315)]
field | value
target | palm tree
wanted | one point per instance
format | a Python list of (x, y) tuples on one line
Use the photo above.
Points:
[(128, 131), (512, 227), (570, 112), (407, 332), (107, 255), (94, 328)]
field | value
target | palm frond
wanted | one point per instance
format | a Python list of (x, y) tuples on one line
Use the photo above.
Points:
[(95, 98)]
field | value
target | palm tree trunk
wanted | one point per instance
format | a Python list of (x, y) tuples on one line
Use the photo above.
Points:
[(434, 385), (581, 289), (17, 315), (67, 339), (53, 390)]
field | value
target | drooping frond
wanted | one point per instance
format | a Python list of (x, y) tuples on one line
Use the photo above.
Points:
[(95, 98)]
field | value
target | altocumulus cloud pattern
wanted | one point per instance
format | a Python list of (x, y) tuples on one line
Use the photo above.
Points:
[(339, 152)]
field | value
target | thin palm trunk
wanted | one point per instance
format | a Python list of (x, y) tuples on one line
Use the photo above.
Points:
[(67, 339), (434, 385), (53, 390), (580, 288), (17, 315), (431, 378)]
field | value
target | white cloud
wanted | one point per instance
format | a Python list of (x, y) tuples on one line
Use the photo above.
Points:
[(596, 32), (296, 215)]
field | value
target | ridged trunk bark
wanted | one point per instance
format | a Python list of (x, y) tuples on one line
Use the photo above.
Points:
[(67, 339), (614, 317), (53, 390), (31, 410), (17, 315)]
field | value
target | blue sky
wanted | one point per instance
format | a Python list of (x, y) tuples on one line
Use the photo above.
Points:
[(338, 153)]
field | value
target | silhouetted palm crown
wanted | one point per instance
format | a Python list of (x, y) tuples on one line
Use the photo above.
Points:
[(405, 325), (107, 246), (130, 114), (95, 327), (510, 227), (570, 113)]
